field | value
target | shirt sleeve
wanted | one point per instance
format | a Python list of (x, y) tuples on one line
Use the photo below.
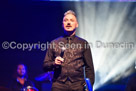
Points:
[(89, 68), (49, 62)]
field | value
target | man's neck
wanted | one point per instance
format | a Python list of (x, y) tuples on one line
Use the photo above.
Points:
[(21, 77), (21, 80), (69, 33)]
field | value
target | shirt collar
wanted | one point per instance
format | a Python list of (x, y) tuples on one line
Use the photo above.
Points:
[(69, 37), (18, 80)]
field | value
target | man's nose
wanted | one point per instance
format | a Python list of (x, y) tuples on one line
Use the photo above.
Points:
[(68, 23)]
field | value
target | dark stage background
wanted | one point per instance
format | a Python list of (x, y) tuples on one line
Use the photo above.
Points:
[(28, 22)]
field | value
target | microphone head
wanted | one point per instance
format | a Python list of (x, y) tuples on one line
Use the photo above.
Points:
[(63, 49)]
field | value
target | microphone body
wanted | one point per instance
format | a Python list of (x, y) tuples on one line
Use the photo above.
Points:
[(62, 51)]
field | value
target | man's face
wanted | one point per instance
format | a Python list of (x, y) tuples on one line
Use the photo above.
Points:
[(70, 22), (21, 70)]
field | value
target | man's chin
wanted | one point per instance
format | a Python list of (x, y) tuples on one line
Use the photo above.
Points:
[(69, 30)]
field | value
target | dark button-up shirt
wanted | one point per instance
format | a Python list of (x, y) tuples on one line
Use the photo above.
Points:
[(15, 85), (77, 54)]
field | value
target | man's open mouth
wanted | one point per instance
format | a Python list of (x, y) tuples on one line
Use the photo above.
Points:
[(68, 26)]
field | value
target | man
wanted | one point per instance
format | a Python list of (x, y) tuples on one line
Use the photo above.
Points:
[(67, 56), (20, 82)]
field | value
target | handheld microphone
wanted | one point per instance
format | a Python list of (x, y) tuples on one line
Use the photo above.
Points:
[(61, 55), (62, 51)]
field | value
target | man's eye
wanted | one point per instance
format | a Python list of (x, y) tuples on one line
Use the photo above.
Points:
[(72, 20), (65, 20)]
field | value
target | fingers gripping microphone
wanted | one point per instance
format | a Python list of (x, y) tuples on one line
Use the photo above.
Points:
[(61, 55)]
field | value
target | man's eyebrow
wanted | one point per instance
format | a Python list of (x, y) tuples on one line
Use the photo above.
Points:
[(65, 19)]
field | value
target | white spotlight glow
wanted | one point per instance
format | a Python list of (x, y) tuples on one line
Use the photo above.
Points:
[(114, 26)]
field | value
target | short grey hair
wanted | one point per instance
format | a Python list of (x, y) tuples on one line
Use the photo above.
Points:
[(70, 12)]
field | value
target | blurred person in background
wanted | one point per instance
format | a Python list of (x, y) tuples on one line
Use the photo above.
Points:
[(20, 82)]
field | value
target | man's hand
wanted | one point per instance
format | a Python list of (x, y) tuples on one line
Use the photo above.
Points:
[(59, 60)]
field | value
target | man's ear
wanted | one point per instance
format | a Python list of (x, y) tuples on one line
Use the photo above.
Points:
[(77, 25)]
